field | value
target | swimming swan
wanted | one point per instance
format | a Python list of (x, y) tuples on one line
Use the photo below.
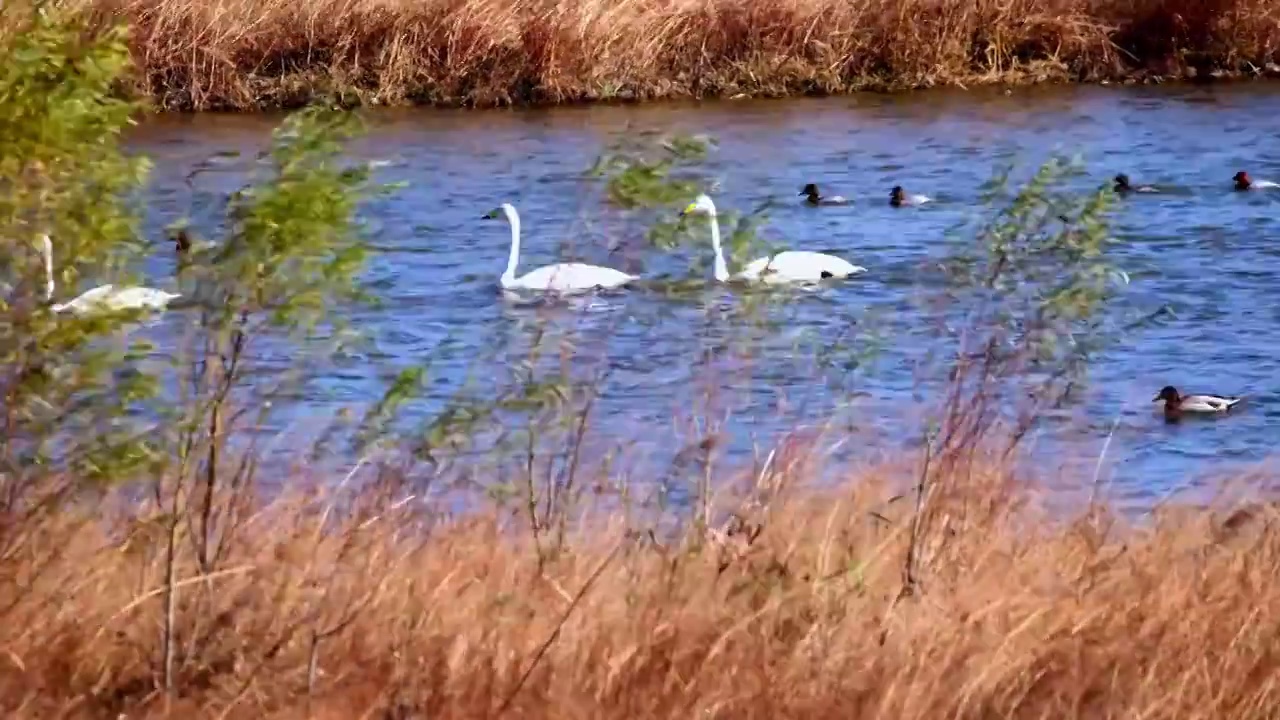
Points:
[(787, 266), (561, 277), (104, 297)]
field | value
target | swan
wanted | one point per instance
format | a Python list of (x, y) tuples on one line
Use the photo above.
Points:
[(787, 266), (561, 277), (104, 297)]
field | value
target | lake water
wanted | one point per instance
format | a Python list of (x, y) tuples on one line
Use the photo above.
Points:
[(1209, 255)]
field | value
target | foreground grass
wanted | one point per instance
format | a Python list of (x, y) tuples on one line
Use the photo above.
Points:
[(796, 610), (242, 54)]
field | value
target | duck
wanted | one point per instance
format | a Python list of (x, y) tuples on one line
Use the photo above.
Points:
[(182, 241), (1244, 182), (1122, 186), (898, 197), (813, 197), (1175, 405)]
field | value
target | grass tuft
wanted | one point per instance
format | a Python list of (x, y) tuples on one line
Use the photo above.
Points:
[(791, 609)]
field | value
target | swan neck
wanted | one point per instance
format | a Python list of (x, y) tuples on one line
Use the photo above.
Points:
[(721, 269), (46, 249), (513, 218)]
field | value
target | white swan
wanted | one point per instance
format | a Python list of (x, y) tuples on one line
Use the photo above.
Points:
[(104, 297), (785, 267), (561, 277)]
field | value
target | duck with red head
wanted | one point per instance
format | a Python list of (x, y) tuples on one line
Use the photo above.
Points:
[(1242, 181), (1176, 405)]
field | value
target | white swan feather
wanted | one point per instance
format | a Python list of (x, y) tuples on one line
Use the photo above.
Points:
[(104, 297), (559, 278), (785, 267)]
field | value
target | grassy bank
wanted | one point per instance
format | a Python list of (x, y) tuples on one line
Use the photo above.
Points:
[(796, 610), (151, 564), (244, 54)]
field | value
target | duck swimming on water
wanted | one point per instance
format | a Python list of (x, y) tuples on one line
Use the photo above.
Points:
[(1122, 186), (1176, 405), (898, 197), (1244, 182), (813, 197)]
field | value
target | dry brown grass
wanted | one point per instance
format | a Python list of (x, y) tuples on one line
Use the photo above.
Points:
[(795, 611), (241, 54)]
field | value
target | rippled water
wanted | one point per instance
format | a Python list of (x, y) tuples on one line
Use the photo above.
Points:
[(1207, 253)]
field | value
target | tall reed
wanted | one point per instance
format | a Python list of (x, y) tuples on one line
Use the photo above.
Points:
[(241, 54)]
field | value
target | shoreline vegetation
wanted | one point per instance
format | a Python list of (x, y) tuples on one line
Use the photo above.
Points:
[(263, 54), (153, 565), (372, 606)]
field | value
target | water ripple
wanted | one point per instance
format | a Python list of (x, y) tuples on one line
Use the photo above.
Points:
[(1201, 252)]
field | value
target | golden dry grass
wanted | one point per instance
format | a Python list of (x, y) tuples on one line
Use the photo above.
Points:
[(797, 610), (242, 54)]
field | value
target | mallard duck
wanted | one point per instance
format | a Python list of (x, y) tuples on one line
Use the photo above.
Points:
[(1244, 182), (1175, 405), (1122, 186), (813, 197), (898, 197)]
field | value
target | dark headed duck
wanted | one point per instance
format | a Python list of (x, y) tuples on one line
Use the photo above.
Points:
[(182, 241), (898, 197), (1176, 405), (1122, 186), (1242, 181), (813, 197)]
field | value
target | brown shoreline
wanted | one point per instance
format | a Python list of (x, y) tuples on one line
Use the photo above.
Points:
[(258, 54)]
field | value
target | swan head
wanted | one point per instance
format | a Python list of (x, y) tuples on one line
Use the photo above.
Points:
[(504, 210), (700, 204), (1241, 180)]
